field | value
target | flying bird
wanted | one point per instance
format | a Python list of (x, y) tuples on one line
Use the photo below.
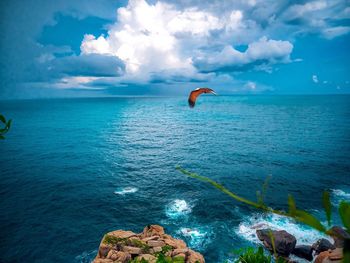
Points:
[(195, 93)]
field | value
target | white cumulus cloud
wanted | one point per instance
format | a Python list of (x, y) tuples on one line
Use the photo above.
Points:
[(262, 52), (144, 37), (154, 40)]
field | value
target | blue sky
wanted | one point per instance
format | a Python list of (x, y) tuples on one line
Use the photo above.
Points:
[(138, 47)]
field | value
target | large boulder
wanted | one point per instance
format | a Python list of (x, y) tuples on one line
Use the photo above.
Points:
[(322, 245), (330, 256), (103, 250), (132, 250), (194, 257), (156, 243), (119, 256), (121, 234), (175, 243), (102, 260), (339, 234), (152, 230), (303, 251), (152, 244), (283, 241)]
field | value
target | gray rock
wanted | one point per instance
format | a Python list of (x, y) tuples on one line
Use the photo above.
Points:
[(132, 250), (284, 242), (339, 235), (156, 243), (303, 251), (322, 245)]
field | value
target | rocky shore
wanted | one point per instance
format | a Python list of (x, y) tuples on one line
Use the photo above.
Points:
[(322, 251), (150, 246)]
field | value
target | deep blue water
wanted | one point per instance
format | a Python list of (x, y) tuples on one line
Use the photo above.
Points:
[(64, 159)]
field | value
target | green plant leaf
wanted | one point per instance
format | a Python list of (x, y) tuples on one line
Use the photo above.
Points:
[(344, 212), (272, 242), (2, 119), (218, 186), (2, 137), (259, 198), (327, 206), (309, 220), (291, 205)]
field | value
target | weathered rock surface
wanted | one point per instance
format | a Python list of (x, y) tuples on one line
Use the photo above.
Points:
[(123, 246), (330, 256), (303, 251), (194, 257), (322, 245), (339, 234), (284, 242)]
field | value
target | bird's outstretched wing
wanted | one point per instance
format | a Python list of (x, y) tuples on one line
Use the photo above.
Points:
[(195, 93)]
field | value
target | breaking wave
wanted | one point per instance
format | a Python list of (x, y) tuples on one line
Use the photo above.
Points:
[(197, 237), (126, 190), (339, 195), (178, 208), (303, 234)]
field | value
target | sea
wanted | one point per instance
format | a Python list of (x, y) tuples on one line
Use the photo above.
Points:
[(73, 169)]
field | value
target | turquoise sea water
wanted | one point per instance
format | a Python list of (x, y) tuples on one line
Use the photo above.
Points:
[(73, 169)]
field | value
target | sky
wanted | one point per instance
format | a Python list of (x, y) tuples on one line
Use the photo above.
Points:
[(66, 48)]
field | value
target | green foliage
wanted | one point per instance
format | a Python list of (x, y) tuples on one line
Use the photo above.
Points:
[(165, 259), (297, 214), (137, 243), (166, 248), (112, 240), (251, 255), (220, 187), (308, 219), (272, 242), (162, 258), (344, 212), (291, 205), (6, 128)]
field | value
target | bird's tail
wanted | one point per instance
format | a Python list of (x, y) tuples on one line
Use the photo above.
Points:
[(191, 103)]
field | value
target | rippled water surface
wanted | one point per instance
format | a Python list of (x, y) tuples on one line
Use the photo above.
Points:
[(73, 169)]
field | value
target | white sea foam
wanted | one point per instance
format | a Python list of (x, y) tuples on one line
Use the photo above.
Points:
[(303, 234), (197, 237), (126, 190), (178, 208), (340, 194)]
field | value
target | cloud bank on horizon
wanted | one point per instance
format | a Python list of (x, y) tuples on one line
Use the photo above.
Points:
[(156, 47)]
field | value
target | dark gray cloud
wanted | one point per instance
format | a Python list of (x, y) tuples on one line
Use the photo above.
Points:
[(93, 65)]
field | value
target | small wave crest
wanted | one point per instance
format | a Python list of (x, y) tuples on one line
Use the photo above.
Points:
[(303, 234), (178, 208), (197, 238), (340, 194), (125, 190)]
